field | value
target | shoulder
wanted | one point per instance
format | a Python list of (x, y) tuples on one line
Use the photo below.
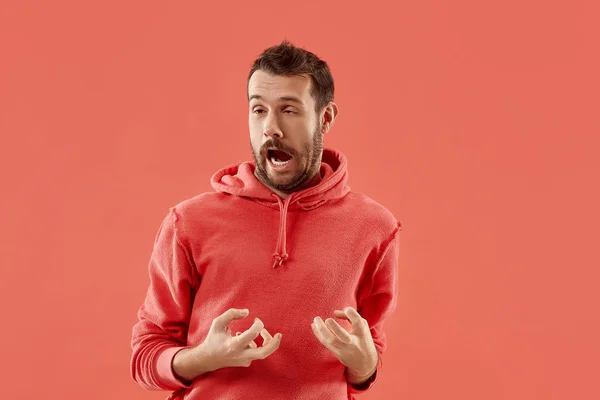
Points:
[(371, 214), (199, 204), (189, 214)]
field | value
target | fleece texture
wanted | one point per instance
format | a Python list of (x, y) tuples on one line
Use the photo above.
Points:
[(287, 261)]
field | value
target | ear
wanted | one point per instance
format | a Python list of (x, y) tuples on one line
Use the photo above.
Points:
[(328, 116)]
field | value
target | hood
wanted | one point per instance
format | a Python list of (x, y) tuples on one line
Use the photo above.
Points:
[(239, 180)]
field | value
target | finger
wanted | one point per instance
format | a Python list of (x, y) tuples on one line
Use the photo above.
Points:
[(252, 333), (338, 331), (325, 336), (223, 320), (358, 323), (266, 337), (347, 325), (266, 350), (252, 344), (321, 338)]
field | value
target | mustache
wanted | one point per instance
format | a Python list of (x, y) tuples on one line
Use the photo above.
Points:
[(277, 146)]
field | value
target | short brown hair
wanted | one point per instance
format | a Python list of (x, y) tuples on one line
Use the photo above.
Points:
[(287, 59)]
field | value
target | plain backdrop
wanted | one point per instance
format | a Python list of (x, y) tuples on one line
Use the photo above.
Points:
[(475, 123)]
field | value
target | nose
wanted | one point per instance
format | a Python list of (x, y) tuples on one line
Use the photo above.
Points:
[(271, 128)]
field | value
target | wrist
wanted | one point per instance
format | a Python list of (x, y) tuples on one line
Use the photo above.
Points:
[(191, 362), (182, 366), (356, 377)]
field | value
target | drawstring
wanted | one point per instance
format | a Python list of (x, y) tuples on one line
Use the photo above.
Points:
[(283, 207)]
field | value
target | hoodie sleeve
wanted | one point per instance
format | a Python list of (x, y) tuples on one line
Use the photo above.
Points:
[(381, 301), (163, 319)]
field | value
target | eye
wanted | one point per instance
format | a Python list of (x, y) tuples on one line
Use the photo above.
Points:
[(257, 111), (289, 111)]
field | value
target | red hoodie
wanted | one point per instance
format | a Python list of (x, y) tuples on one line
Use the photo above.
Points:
[(287, 261)]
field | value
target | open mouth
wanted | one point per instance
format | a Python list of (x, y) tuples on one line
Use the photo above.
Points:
[(278, 158)]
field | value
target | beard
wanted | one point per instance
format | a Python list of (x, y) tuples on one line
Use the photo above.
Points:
[(307, 162)]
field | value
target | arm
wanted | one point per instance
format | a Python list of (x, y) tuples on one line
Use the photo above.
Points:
[(161, 330), (376, 304)]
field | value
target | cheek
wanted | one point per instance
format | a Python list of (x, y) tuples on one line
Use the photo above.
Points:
[(302, 125), (255, 135), (254, 123), (299, 133)]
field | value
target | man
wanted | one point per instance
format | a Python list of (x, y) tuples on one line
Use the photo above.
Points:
[(283, 240)]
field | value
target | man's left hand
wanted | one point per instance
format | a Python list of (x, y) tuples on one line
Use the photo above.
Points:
[(355, 349)]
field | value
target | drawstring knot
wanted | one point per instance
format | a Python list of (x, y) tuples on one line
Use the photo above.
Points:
[(279, 259)]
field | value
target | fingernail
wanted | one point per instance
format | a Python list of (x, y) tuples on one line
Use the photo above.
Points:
[(316, 320), (245, 311)]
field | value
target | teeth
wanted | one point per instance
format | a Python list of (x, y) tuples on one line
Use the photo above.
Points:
[(279, 163)]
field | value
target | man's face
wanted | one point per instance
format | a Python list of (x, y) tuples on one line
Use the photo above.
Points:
[(282, 117)]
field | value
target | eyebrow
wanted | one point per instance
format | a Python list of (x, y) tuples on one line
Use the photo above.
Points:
[(283, 98)]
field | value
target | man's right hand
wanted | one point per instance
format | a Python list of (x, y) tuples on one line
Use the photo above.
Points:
[(221, 349)]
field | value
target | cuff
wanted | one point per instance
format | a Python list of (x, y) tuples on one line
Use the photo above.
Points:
[(164, 369)]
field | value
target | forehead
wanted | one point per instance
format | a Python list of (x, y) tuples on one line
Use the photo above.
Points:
[(270, 87)]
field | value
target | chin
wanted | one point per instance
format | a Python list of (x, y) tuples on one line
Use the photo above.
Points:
[(279, 181)]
